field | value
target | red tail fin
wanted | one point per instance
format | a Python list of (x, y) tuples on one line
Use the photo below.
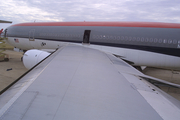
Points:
[(1, 31)]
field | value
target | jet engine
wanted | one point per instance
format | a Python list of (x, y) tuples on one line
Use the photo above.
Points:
[(32, 57)]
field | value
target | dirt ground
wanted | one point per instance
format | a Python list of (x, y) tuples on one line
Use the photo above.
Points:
[(11, 70), (168, 75)]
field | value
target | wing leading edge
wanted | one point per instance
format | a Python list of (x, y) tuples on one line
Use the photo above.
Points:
[(82, 83)]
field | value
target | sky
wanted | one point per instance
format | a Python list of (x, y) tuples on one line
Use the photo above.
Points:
[(19, 11)]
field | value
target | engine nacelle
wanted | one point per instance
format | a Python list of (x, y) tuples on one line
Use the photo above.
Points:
[(32, 57)]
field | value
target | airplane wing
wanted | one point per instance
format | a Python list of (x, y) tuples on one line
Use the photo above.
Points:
[(4, 21), (81, 83)]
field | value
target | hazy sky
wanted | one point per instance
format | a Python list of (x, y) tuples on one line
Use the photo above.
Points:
[(20, 11)]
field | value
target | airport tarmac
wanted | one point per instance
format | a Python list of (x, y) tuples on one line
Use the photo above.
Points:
[(11, 70), (14, 68), (168, 75)]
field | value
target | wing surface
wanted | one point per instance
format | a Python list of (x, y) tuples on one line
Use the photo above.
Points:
[(81, 83)]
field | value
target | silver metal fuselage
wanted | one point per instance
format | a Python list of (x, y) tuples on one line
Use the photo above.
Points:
[(144, 44)]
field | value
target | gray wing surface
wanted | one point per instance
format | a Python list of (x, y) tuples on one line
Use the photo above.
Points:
[(81, 83)]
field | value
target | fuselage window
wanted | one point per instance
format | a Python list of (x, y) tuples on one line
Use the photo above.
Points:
[(151, 39), (118, 38), (134, 38), (164, 41), (138, 38), (104, 36), (160, 40), (142, 39), (100, 37), (114, 38), (170, 41), (178, 43), (174, 41), (126, 38), (146, 40), (122, 37), (107, 37), (130, 38), (155, 40), (111, 37)]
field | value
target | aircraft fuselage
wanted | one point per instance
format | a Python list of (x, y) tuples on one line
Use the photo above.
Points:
[(144, 44)]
